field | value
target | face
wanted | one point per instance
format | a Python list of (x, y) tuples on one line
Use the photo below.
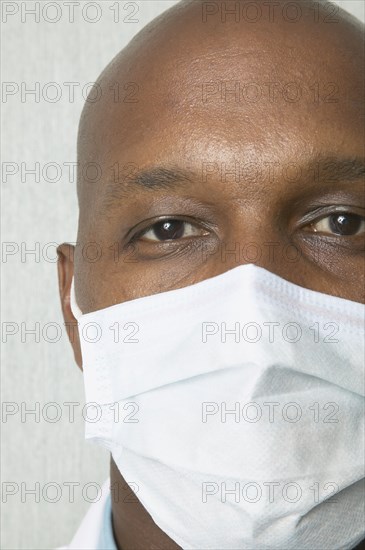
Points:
[(238, 143), (219, 144)]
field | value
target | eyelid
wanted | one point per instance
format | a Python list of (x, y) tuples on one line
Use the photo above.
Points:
[(160, 219), (309, 226), (322, 212), (197, 232), (359, 232)]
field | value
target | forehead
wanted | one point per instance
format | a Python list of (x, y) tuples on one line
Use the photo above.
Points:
[(195, 92)]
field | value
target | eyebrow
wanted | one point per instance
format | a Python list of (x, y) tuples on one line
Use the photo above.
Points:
[(157, 178), (320, 169), (161, 178), (334, 169)]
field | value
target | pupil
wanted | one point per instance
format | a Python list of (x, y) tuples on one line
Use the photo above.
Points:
[(169, 230), (345, 224)]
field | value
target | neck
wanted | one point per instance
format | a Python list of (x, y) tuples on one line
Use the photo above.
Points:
[(133, 527)]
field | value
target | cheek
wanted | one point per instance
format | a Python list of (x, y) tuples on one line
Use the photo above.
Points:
[(113, 277), (106, 276), (347, 278), (333, 268)]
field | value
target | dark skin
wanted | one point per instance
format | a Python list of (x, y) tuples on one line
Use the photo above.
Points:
[(183, 125)]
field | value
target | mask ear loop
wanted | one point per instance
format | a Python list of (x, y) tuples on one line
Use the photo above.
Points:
[(73, 304)]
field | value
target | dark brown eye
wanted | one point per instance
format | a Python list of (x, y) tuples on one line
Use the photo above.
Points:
[(169, 230), (342, 223)]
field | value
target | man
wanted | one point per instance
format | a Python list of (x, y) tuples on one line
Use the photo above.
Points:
[(237, 140)]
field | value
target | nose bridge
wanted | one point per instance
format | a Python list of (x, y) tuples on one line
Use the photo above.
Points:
[(255, 237)]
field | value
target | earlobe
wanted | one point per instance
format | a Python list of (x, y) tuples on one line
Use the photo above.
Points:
[(65, 275)]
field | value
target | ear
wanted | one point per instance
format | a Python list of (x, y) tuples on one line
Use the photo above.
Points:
[(65, 274)]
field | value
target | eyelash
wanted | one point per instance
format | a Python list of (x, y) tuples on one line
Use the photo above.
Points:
[(339, 215), (311, 224), (195, 229)]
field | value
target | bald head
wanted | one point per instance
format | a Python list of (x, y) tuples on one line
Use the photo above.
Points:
[(249, 62)]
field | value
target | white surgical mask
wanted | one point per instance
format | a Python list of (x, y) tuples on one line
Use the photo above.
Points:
[(234, 408)]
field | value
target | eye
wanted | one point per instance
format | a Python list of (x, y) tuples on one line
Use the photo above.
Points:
[(171, 230), (341, 223)]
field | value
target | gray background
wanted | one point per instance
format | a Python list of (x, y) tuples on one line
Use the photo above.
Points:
[(36, 450)]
